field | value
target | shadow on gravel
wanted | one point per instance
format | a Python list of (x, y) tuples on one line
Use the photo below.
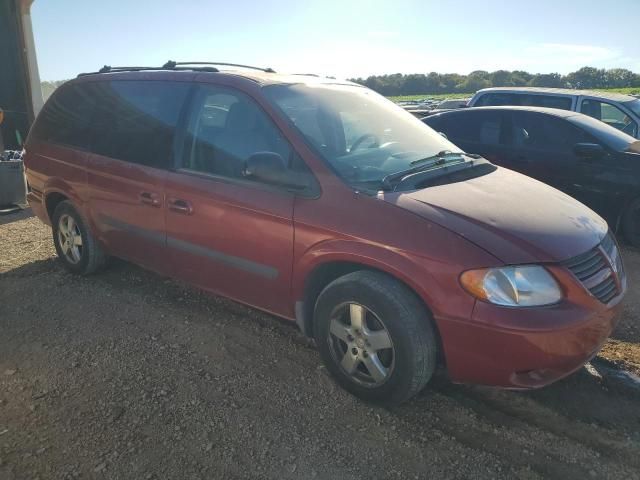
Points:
[(584, 396), (579, 409), (534, 432), (34, 269), (15, 216)]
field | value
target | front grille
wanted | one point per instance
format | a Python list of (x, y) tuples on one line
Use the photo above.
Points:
[(605, 291), (598, 269)]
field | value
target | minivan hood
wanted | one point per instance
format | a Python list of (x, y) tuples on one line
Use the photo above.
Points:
[(513, 217)]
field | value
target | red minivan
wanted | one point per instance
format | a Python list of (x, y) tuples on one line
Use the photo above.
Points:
[(322, 202)]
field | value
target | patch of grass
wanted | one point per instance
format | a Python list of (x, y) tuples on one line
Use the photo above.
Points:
[(626, 91), (442, 96)]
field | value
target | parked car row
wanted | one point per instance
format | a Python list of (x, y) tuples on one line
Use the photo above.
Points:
[(615, 109), (423, 108), (324, 203), (585, 158)]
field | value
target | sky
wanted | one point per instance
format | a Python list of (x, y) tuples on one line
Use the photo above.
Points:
[(342, 38)]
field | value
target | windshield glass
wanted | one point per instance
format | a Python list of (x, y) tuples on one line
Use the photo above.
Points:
[(361, 134), (610, 136), (634, 106)]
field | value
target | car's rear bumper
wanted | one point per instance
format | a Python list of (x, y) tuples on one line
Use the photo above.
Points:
[(526, 347)]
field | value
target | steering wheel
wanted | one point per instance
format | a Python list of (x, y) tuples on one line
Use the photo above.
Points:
[(362, 138)]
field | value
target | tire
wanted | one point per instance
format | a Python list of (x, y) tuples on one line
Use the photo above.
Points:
[(86, 256), (631, 223), (381, 375)]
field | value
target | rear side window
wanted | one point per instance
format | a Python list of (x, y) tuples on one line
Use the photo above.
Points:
[(473, 127), (527, 100), (66, 117), (497, 100), (136, 120)]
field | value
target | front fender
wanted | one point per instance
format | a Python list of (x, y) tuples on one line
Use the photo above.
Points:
[(410, 269)]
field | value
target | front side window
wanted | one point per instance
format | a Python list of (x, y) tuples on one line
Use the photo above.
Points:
[(545, 133), (225, 128), (360, 134), (136, 120), (611, 115)]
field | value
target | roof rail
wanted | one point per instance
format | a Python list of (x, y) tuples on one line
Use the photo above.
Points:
[(109, 69), (171, 65)]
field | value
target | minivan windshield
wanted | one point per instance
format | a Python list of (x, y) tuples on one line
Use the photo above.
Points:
[(362, 135)]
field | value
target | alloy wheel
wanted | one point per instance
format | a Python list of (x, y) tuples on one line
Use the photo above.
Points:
[(361, 345), (70, 238)]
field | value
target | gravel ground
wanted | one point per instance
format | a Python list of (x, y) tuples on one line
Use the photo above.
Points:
[(129, 375)]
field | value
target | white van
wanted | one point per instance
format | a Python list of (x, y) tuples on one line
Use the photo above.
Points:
[(619, 111)]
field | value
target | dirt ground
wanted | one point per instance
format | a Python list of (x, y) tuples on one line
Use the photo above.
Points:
[(129, 375)]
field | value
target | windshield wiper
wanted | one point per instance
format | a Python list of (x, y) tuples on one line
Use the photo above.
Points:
[(441, 155), (441, 158)]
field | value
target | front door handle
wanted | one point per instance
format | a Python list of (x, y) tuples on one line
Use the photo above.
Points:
[(149, 198), (180, 206)]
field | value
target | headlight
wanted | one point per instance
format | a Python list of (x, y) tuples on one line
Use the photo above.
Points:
[(518, 286)]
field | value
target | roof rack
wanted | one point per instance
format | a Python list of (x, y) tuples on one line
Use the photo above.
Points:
[(171, 65), (314, 75)]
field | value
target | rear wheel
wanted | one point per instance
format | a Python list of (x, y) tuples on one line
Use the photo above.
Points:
[(375, 337), (76, 247), (631, 223)]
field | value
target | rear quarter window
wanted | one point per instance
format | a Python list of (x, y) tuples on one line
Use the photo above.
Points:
[(66, 117)]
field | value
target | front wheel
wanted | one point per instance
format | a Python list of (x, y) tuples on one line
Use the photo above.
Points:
[(375, 337)]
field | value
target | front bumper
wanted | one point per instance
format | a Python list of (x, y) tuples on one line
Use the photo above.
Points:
[(528, 347)]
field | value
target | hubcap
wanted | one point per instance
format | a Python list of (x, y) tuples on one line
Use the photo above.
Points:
[(361, 344), (69, 238)]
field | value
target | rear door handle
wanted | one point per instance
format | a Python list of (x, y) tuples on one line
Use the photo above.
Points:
[(180, 206), (149, 198)]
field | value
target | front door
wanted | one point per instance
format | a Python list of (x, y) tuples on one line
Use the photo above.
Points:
[(541, 146), (545, 144), (132, 142), (225, 232)]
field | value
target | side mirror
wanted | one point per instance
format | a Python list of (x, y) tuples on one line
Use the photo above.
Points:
[(588, 150), (270, 167), (444, 135)]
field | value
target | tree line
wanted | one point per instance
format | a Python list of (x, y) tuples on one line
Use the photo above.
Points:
[(48, 87), (435, 83)]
